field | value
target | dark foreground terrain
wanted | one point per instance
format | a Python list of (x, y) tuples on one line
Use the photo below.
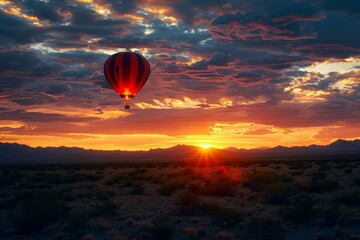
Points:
[(203, 200)]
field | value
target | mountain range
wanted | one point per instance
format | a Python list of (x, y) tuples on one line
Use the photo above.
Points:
[(12, 153)]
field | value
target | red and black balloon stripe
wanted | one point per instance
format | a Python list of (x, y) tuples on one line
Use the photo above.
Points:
[(127, 73)]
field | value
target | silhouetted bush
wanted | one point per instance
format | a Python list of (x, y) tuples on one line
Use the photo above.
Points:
[(223, 216), (325, 167), (350, 197), (225, 236), (137, 188), (331, 215), (357, 181), (39, 212), (301, 209), (296, 173), (190, 204), (119, 177), (265, 229), (187, 198), (77, 220), (162, 228), (218, 188), (258, 180), (107, 207), (296, 166), (105, 194), (277, 193), (195, 233), (8, 177), (318, 186), (169, 188), (316, 176), (195, 185), (89, 176)]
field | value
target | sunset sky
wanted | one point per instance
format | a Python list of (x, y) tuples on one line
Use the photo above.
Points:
[(247, 74)]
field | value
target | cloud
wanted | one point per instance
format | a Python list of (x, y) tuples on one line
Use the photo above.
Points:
[(21, 115), (274, 64)]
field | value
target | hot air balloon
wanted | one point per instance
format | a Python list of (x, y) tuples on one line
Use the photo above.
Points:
[(127, 72)]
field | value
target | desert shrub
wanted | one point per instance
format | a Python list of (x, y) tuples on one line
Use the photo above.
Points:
[(296, 166), (170, 187), (296, 173), (190, 204), (70, 178), (195, 185), (187, 198), (99, 224), (195, 233), (348, 170), (8, 202), (26, 185), (316, 176), (122, 178), (77, 220), (277, 193), (162, 228), (158, 179), (331, 215), (105, 194), (141, 174), (104, 208), (88, 236), (318, 186), (188, 171), (131, 222), (357, 181), (89, 176), (39, 212), (354, 237), (139, 170), (265, 229), (301, 210), (257, 180), (8, 177), (223, 216), (325, 167), (225, 236), (137, 188), (341, 166), (52, 178), (350, 197), (220, 187)]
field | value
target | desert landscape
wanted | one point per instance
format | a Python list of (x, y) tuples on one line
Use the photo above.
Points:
[(206, 199)]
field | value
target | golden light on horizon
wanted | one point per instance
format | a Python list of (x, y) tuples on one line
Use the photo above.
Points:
[(205, 146)]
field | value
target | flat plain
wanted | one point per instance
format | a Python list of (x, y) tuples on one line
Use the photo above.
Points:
[(292, 200)]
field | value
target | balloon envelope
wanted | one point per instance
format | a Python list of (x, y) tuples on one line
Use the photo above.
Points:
[(127, 72)]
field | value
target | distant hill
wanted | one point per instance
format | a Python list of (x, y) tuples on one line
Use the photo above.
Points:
[(12, 153)]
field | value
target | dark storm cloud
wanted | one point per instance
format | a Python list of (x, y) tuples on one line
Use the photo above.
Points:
[(236, 49), (348, 6), (15, 31), (18, 61), (123, 6), (58, 89), (21, 115), (43, 10), (309, 27)]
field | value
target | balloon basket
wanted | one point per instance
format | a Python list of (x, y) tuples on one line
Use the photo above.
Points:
[(127, 106)]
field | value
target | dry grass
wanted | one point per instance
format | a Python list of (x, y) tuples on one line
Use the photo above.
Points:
[(120, 201)]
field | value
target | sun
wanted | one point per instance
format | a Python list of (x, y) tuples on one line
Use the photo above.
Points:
[(205, 146)]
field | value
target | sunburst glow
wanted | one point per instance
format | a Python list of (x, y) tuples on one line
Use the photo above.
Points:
[(205, 146)]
